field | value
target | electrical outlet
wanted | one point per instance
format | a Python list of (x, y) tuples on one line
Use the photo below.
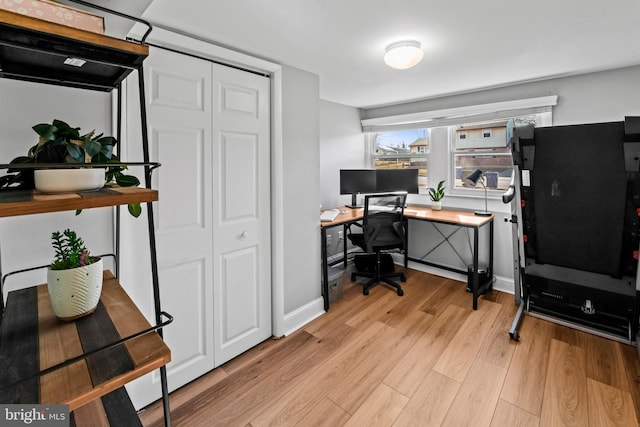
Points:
[(340, 235), (328, 239)]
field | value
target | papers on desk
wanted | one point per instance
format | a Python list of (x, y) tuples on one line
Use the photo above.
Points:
[(416, 212), (329, 215)]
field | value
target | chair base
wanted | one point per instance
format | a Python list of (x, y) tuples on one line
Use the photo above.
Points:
[(377, 276)]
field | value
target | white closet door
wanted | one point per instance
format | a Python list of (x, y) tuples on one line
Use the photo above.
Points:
[(180, 114), (178, 92), (241, 211), (209, 129)]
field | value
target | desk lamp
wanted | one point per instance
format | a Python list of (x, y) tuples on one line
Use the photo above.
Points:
[(470, 182)]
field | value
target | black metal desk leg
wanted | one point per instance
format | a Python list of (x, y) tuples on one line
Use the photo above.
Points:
[(491, 254), (344, 245), (325, 273), (406, 249), (476, 277)]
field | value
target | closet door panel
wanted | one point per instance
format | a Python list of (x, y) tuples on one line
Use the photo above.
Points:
[(239, 290), (189, 319), (179, 124), (242, 282), (239, 174), (182, 167)]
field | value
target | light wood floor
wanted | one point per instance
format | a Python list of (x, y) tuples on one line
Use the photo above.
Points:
[(424, 359)]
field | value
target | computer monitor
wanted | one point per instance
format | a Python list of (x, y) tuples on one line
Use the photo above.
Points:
[(357, 181), (397, 180)]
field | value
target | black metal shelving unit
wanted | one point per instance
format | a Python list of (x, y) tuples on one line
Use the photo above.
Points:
[(39, 51)]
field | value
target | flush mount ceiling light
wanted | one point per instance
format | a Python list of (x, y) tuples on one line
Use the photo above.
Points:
[(404, 54)]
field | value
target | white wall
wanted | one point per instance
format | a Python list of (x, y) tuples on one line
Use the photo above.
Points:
[(595, 97), (301, 188), (588, 98), (25, 241), (342, 147)]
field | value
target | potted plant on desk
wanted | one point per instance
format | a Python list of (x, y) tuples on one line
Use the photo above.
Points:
[(436, 195), (74, 278), (60, 143)]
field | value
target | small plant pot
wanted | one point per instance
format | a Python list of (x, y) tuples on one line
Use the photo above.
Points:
[(436, 206), (75, 292)]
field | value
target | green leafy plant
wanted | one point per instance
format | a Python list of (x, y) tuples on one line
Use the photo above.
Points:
[(60, 143), (436, 194), (70, 251)]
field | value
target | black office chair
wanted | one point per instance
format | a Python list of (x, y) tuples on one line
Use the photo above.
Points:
[(383, 228)]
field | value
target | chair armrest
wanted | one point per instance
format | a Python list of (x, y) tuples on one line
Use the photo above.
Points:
[(357, 224), (401, 228)]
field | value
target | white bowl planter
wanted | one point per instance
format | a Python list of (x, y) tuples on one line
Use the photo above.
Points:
[(68, 180), (75, 292), (436, 206)]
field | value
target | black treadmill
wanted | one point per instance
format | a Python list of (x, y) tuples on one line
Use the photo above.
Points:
[(575, 198)]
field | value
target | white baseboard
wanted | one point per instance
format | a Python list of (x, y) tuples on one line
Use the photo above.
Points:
[(435, 270), (303, 315), (504, 284), (501, 283)]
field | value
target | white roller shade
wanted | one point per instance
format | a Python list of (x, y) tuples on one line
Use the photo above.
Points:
[(457, 115)]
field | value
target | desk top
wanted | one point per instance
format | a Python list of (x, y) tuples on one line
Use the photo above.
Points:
[(450, 216)]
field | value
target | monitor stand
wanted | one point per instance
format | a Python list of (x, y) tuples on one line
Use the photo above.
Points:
[(354, 202)]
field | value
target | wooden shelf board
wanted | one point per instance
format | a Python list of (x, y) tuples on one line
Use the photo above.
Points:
[(73, 34), (16, 203), (36, 50), (113, 409), (59, 341)]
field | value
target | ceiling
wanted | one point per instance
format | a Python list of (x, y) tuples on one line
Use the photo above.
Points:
[(469, 45)]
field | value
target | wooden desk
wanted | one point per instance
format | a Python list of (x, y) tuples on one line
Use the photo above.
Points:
[(464, 219)]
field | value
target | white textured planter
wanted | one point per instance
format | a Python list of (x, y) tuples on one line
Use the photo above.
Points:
[(436, 206), (75, 292), (68, 180)]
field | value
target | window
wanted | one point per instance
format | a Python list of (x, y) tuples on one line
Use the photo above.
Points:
[(457, 141), (486, 147), (402, 149)]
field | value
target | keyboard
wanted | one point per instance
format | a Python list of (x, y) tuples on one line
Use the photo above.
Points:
[(329, 215)]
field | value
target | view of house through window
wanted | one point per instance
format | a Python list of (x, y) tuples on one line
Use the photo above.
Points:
[(482, 146), (403, 149), (485, 146)]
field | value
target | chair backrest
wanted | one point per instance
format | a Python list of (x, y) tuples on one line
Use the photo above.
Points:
[(383, 223)]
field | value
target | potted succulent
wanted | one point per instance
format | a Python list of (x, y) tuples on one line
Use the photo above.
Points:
[(74, 278), (60, 143), (436, 195)]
